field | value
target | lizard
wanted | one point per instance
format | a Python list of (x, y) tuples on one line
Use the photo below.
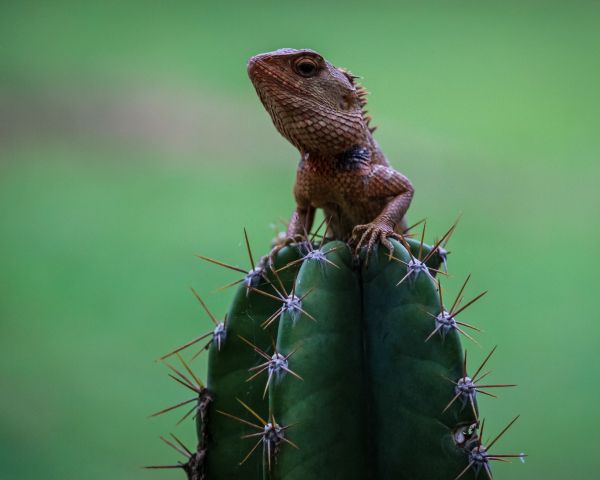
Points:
[(321, 110)]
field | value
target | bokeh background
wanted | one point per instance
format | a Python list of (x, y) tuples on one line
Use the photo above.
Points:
[(131, 139)]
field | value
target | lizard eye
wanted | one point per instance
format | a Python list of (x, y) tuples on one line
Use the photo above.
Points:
[(305, 67)]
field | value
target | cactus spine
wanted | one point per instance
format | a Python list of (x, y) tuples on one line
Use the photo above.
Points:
[(332, 366)]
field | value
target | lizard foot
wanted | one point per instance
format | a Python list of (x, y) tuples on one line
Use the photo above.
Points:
[(372, 233), (278, 244)]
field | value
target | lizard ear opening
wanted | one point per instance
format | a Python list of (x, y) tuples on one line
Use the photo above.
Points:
[(347, 101)]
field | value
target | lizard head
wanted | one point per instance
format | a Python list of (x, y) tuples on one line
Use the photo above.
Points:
[(318, 107)]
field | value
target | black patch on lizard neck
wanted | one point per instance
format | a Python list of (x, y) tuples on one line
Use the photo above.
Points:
[(354, 158)]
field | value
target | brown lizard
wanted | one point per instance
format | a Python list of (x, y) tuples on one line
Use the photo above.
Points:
[(320, 109)]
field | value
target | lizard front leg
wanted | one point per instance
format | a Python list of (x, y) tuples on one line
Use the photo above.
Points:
[(300, 224), (384, 182), (301, 221)]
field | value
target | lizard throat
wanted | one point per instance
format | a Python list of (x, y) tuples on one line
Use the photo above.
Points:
[(355, 158)]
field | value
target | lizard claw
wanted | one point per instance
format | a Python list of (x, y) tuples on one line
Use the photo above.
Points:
[(372, 233), (279, 244)]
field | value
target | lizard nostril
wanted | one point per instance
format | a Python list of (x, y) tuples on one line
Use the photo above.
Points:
[(255, 61), (252, 67)]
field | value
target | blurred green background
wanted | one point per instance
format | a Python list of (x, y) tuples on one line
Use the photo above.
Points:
[(131, 139)]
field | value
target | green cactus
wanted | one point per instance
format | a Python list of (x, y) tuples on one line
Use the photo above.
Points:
[(330, 365)]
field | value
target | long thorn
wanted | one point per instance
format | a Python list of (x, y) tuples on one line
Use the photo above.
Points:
[(183, 347), (261, 352), (190, 371), (467, 468), (422, 240), (185, 379), (168, 409), (454, 399), (470, 303), (266, 294), (182, 419), (184, 451), (437, 244), (484, 362), (212, 317), (267, 323), (249, 250), (221, 264), (254, 414), (229, 285), (455, 304), (241, 420), (251, 451), (191, 387), (491, 444), (163, 467)]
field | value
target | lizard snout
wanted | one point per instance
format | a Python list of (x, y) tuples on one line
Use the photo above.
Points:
[(253, 62)]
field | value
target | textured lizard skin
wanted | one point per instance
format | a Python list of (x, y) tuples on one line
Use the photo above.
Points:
[(319, 108)]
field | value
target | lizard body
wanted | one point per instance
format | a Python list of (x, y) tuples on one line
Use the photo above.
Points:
[(320, 109)]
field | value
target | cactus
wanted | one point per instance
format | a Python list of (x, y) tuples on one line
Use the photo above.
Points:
[(330, 365)]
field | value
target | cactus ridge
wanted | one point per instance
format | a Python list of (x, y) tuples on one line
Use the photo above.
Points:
[(330, 365)]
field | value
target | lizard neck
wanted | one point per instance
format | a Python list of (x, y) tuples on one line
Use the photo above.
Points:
[(356, 157)]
